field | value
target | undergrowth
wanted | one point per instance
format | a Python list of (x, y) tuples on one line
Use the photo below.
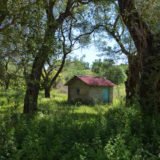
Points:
[(63, 131)]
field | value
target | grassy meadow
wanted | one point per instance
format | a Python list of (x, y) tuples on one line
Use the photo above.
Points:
[(63, 131)]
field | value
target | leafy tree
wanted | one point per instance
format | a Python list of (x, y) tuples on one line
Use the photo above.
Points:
[(108, 69), (65, 40), (57, 14), (10, 60), (75, 66), (32, 28), (55, 66), (11, 11), (52, 24)]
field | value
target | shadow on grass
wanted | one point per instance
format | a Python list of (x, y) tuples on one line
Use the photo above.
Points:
[(60, 131), (65, 134), (77, 103)]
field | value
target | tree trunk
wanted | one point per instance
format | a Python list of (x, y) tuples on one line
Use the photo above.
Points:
[(59, 70), (31, 96), (132, 79), (33, 82), (48, 85), (147, 45), (150, 81), (47, 92)]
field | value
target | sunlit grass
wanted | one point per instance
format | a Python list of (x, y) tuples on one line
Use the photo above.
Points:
[(119, 91), (13, 99)]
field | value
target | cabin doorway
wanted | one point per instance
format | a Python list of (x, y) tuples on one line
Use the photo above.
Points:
[(105, 95)]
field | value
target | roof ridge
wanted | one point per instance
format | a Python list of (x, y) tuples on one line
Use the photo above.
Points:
[(93, 81), (90, 76)]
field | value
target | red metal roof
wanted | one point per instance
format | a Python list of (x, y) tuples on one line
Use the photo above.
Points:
[(95, 81)]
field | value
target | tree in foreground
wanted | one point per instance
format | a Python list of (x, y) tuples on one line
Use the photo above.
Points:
[(57, 14), (52, 24), (146, 39)]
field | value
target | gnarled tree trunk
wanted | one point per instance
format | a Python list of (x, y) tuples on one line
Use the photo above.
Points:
[(147, 45), (150, 79), (31, 96), (132, 81)]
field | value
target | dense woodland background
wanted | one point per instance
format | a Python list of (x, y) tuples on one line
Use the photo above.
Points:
[(38, 39)]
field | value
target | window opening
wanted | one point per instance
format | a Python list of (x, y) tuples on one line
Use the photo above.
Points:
[(78, 91)]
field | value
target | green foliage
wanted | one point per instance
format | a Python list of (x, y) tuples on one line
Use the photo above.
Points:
[(64, 131), (107, 69), (116, 149), (76, 66), (149, 11)]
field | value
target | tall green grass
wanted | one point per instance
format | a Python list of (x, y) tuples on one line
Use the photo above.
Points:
[(63, 131)]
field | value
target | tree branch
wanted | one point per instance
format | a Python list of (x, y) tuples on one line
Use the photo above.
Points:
[(136, 26), (7, 25)]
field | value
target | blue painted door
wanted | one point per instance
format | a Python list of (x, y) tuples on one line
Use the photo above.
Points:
[(105, 95)]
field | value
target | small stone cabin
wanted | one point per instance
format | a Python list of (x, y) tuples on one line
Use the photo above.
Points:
[(90, 89)]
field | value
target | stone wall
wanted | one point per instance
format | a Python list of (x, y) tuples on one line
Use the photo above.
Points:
[(95, 94), (72, 91)]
